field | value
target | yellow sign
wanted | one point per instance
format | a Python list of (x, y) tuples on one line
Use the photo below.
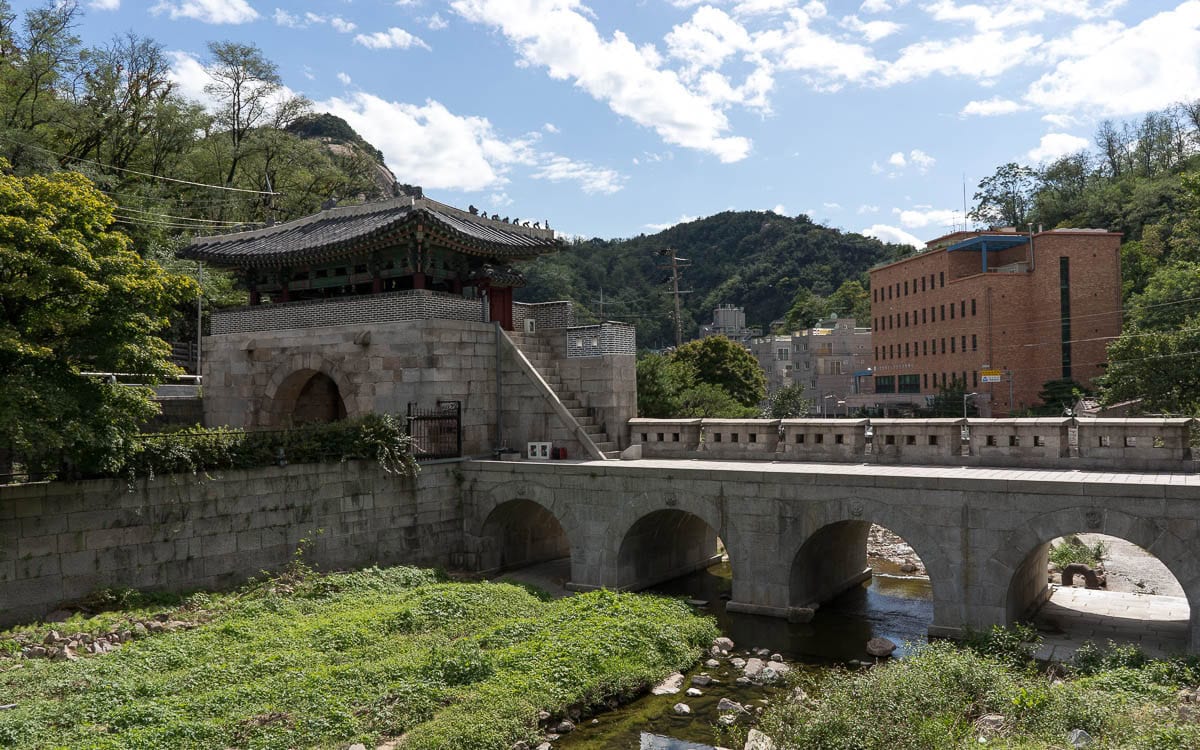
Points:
[(990, 376)]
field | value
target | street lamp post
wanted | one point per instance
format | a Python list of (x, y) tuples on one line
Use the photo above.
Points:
[(965, 397), (825, 405)]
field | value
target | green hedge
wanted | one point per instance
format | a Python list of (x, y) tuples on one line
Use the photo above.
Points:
[(375, 437)]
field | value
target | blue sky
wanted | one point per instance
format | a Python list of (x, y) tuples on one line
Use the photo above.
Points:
[(611, 118)]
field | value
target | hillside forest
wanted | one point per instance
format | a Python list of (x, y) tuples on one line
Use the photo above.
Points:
[(175, 168)]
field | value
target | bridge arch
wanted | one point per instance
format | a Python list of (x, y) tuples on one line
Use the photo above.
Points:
[(1019, 567), (308, 388), (832, 556), (519, 524), (664, 544)]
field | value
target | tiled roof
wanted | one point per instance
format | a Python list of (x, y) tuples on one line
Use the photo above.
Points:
[(338, 233)]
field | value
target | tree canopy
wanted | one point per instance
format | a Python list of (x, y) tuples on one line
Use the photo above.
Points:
[(75, 298), (727, 365)]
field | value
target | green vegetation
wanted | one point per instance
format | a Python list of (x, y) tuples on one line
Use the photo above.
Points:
[(373, 437), (75, 298), (711, 377), (935, 698), (306, 661), (1073, 550), (755, 259), (787, 402)]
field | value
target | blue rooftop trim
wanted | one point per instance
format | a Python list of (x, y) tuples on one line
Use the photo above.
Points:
[(987, 242)]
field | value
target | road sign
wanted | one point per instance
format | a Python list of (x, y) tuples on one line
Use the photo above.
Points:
[(990, 376)]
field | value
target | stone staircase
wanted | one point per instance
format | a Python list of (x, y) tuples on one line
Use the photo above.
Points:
[(540, 355)]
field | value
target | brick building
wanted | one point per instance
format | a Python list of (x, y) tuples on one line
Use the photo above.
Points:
[(1035, 307)]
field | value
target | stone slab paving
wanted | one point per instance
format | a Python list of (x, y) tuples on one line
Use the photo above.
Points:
[(1159, 624)]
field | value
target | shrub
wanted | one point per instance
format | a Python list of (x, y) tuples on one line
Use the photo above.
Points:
[(1072, 550)]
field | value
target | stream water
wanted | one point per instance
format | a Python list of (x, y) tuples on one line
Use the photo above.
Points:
[(889, 605)]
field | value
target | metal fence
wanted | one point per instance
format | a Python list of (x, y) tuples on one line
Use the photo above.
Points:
[(436, 432)]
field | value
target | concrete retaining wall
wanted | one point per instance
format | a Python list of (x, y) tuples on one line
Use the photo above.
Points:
[(63, 540)]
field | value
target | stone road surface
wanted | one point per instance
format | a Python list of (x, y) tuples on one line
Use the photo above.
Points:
[(1159, 624)]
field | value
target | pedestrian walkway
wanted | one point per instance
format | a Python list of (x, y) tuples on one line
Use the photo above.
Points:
[(1072, 616)]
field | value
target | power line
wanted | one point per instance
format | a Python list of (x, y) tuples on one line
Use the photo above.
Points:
[(140, 174), (182, 218)]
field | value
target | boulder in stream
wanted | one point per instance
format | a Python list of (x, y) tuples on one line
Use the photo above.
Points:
[(670, 686), (880, 647)]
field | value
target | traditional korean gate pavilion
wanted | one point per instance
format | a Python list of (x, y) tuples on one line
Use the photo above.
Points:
[(410, 242)]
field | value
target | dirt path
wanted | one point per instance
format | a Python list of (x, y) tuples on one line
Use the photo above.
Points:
[(1132, 569)]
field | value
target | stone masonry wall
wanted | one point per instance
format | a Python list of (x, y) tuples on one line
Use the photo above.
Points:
[(63, 540)]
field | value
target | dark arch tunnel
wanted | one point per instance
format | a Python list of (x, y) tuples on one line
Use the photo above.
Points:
[(663, 545), (520, 533)]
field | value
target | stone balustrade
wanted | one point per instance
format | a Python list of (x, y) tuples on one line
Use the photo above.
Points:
[(1122, 444)]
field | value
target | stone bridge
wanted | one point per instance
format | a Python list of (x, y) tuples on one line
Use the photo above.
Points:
[(796, 532)]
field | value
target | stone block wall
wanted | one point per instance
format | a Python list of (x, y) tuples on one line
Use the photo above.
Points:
[(1016, 441), (63, 540), (1139, 444), (665, 438), (734, 439), (412, 304), (607, 388), (917, 440), (824, 439)]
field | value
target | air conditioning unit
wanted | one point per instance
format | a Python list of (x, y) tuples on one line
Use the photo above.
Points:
[(530, 325)]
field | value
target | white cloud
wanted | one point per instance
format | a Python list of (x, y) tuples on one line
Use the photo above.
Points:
[(683, 219), (436, 22), (779, 209), (429, 145), (631, 80), (1060, 120), (921, 160), (283, 18), (1140, 68), (393, 38), (344, 78), (867, 208), (832, 206), (827, 62), (880, 6), (341, 25), (872, 31), (993, 15), (897, 160), (207, 11), (886, 233), (991, 107), (105, 4), (591, 179), (982, 57), (1054, 145), (932, 217), (550, 128)]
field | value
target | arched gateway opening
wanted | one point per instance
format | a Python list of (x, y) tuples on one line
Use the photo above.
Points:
[(856, 581), (664, 545), (521, 533), (305, 397), (1097, 587)]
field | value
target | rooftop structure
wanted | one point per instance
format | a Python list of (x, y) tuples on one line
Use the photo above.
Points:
[(1001, 311), (406, 243)]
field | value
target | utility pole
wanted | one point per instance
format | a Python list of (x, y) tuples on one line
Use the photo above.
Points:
[(677, 263)]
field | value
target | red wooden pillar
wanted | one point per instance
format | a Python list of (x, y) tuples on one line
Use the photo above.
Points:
[(418, 280)]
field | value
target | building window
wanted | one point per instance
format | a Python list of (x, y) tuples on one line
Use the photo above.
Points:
[(923, 318), (925, 348), (943, 312), (885, 383), (906, 319), (952, 345), (889, 291), (877, 352), (782, 355), (943, 349), (974, 378), (962, 309), (906, 287), (909, 384), (972, 308), (906, 349), (922, 283), (964, 342), (951, 311), (974, 342), (942, 279), (926, 381), (1064, 291)]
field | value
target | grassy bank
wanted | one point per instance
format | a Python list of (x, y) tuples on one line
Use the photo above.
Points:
[(939, 697), (322, 661)]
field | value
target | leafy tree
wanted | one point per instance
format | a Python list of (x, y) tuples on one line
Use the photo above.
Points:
[(75, 298), (711, 401), (660, 382), (949, 400), (1059, 395), (787, 402), (1162, 368), (807, 308), (727, 365), (1006, 197), (851, 300)]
